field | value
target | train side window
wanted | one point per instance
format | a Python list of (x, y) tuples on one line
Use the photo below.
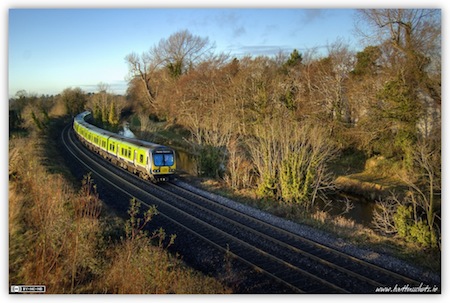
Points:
[(141, 158)]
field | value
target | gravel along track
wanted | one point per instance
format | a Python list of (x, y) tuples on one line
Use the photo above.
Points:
[(260, 248), (392, 264)]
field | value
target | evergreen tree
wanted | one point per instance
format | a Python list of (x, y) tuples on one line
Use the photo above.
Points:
[(366, 61), (113, 118), (294, 59)]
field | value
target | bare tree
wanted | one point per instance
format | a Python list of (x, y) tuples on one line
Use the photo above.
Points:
[(142, 68), (383, 215), (181, 51), (425, 181), (405, 29), (411, 40), (330, 84), (74, 100)]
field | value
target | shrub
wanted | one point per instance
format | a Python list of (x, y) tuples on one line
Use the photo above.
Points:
[(403, 220), (421, 233), (417, 231), (137, 267)]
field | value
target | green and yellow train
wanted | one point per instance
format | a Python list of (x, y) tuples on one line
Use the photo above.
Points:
[(148, 160)]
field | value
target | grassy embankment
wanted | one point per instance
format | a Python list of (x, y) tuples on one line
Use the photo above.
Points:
[(370, 179), (64, 237)]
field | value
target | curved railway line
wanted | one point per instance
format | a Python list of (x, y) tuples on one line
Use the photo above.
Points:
[(299, 264)]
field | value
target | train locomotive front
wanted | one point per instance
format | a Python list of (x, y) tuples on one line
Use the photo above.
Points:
[(162, 163)]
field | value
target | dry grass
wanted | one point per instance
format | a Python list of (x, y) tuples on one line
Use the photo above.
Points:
[(140, 268), (339, 221), (57, 238), (42, 208)]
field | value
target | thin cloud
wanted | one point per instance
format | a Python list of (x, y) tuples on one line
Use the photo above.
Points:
[(269, 30), (272, 50), (259, 50), (116, 87), (238, 32), (232, 21), (310, 16)]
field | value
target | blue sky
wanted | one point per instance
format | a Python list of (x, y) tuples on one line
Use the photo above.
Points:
[(52, 49)]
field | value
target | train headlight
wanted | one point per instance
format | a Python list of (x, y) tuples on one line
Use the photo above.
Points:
[(156, 170)]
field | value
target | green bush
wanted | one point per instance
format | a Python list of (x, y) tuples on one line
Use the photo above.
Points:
[(267, 189), (420, 233), (412, 231), (403, 220), (296, 178)]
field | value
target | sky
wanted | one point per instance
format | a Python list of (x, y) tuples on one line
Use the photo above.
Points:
[(53, 49)]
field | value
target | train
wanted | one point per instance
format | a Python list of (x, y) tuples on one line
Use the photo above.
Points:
[(148, 160)]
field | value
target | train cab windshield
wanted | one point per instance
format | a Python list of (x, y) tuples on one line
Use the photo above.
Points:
[(163, 159)]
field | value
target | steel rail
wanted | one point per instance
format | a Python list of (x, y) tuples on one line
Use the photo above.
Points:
[(209, 241), (269, 238), (297, 237), (257, 221)]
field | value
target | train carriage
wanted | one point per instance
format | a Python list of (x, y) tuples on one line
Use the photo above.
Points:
[(149, 160)]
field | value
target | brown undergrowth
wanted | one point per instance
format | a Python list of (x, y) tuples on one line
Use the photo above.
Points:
[(62, 237)]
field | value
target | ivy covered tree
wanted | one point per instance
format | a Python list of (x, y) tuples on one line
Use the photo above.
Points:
[(399, 108), (407, 40)]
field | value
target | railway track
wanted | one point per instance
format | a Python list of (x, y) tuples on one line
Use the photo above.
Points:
[(297, 263)]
